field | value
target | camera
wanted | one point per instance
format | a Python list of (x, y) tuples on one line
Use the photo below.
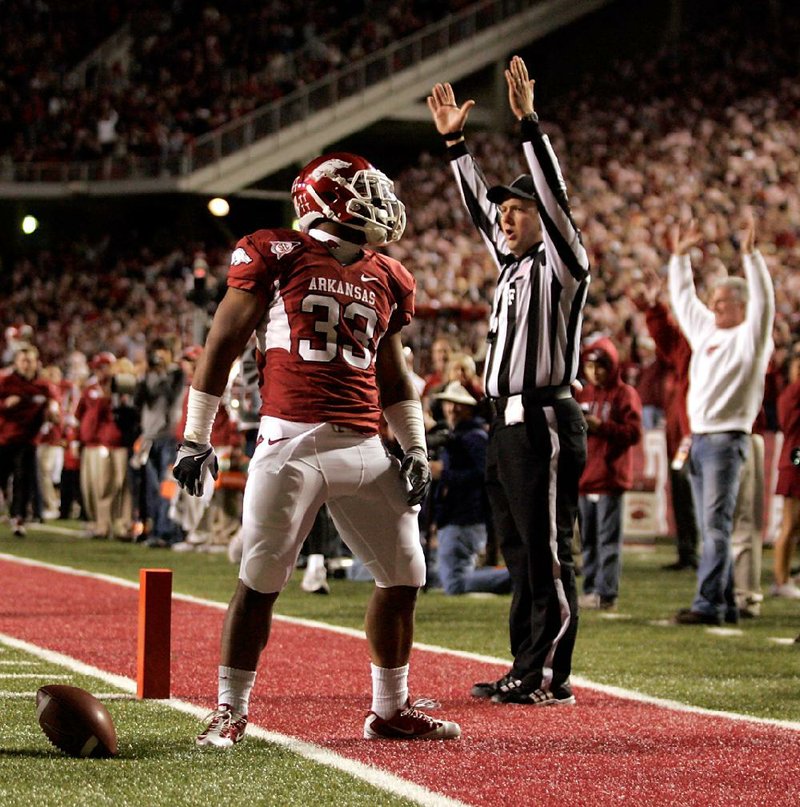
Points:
[(795, 455)]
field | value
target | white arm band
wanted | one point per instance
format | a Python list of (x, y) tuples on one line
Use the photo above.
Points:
[(405, 420), (201, 409)]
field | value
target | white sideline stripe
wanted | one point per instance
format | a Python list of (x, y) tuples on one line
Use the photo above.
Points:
[(380, 779), (6, 662), (29, 675), (617, 692), (52, 528), (103, 696), (725, 631)]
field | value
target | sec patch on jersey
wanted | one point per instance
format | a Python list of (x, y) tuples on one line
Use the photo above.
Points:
[(75, 721)]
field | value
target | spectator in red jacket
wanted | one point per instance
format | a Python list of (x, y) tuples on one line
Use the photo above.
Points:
[(26, 402), (613, 415), (788, 484)]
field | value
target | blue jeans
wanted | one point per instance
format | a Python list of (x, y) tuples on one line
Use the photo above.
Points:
[(458, 546), (162, 455), (601, 536), (715, 463)]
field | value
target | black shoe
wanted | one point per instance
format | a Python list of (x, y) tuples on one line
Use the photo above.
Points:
[(679, 566), (486, 689), (560, 695), (688, 617)]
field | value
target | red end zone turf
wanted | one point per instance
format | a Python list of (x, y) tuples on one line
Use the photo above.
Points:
[(604, 751)]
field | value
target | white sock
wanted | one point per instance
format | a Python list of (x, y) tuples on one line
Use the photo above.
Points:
[(314, 562), (235, 687), (389, 690)]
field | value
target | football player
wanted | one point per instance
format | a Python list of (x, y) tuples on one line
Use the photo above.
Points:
[(327, 311)]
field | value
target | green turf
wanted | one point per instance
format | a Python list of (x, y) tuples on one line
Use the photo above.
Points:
[(748, 673)]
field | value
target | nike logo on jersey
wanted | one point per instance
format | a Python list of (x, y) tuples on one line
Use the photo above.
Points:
[(281, 248), (240, 256), (272, 442), (367, 278)]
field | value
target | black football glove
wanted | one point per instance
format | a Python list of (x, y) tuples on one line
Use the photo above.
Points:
[(414, 469), (190, 466)]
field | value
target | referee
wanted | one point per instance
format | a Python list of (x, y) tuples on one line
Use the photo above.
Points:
[(537, 446)]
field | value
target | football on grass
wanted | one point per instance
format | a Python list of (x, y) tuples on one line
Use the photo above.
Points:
[(75, 721)]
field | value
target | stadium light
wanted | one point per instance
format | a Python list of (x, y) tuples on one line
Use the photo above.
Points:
[(219, 207), (30, 224)]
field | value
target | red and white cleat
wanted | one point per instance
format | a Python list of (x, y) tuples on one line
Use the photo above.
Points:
[(225, 728), (409, 724)]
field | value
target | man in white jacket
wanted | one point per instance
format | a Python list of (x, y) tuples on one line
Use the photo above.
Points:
[(731, 340)]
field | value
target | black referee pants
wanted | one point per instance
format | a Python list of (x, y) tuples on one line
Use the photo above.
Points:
[(532, 474)]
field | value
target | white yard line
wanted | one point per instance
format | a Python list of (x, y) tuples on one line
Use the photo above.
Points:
[(28, 675), (579, 681)]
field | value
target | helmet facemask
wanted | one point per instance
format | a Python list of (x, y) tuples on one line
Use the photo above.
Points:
[(375, 204)]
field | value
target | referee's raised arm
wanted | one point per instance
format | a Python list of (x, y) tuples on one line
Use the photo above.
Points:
[(563, 247), (450, 120)]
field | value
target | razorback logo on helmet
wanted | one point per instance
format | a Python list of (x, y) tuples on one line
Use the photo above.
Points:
[(281, 248), (329, 169), (240, 256)]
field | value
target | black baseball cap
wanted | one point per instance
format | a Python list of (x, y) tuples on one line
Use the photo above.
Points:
[(521, 188)]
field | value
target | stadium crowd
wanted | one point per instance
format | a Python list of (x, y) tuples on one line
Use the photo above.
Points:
[(189, 68), (701, 131)]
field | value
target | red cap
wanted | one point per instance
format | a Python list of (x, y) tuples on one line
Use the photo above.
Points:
[(102, 359)]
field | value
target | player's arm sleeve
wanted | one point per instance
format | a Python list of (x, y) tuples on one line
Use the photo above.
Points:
[(403, 288), (484, 214), (562, 239), (252, 268)]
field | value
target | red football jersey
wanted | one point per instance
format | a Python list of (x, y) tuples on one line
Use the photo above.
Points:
[(322, 324)]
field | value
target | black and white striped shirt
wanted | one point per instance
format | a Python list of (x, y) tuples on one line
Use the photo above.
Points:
[(535, 325)]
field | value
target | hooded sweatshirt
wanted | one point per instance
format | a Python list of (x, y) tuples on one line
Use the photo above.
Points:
[(609, 463)]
